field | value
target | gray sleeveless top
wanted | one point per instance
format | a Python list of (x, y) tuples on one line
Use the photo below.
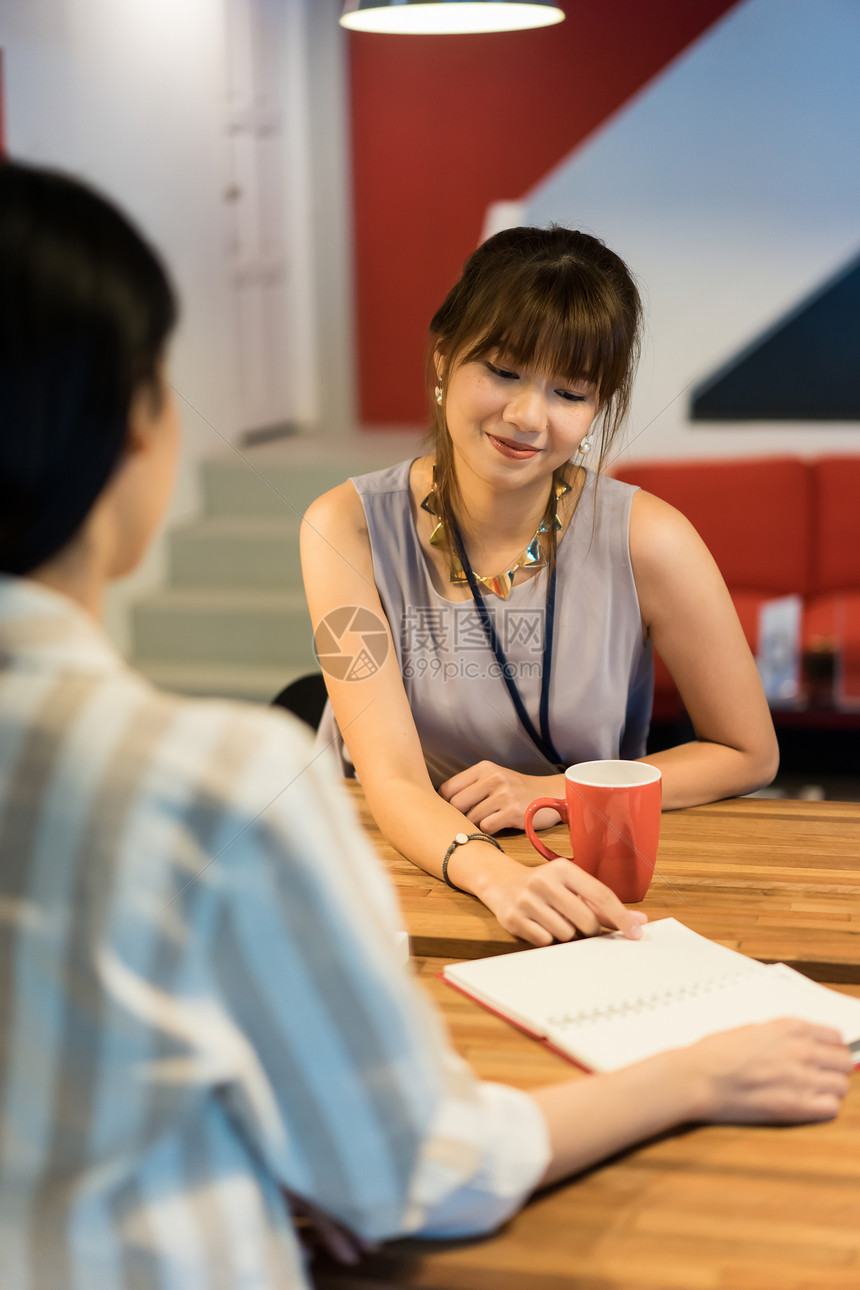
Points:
[(602, 676)]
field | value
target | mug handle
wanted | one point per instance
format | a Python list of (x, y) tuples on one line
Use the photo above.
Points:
[(557, 804)]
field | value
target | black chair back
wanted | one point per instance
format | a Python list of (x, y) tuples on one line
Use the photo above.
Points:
[(305, 698)]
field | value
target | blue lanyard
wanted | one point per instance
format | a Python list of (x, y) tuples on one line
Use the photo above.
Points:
[(543, 740)]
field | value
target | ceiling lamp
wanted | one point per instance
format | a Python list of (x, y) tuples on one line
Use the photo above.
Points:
[(438, 17)]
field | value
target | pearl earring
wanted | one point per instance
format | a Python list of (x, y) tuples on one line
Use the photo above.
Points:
[(438, 393), (585, 445)]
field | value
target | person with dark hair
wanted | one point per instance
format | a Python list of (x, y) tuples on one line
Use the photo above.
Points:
[(520, 591), (205, 1025), (85, 312)]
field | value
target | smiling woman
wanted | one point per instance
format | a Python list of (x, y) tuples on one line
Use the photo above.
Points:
[(523, 592)]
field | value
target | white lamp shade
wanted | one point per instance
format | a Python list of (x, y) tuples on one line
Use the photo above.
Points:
[(444, 17)]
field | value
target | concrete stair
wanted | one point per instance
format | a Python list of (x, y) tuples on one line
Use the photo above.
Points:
[(227, 680), (232, 620), (236, 551), (276, 486), (224, 624)]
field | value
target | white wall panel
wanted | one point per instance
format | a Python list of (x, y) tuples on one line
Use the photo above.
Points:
[(138, 96)]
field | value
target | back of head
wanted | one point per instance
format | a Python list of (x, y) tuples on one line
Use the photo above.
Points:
[(85, 312)]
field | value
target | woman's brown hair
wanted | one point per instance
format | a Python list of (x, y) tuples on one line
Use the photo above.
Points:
[(554, 299)]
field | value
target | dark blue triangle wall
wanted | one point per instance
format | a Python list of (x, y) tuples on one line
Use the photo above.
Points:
[(805, 368)]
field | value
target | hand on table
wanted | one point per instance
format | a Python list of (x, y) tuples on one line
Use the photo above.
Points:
[(784, 1072), (555, 901), (496, 798)]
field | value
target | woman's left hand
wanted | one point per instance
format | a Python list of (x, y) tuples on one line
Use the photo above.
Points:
[(496, 798)]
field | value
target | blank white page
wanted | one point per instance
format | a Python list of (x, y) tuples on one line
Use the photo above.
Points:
[(542, 987)]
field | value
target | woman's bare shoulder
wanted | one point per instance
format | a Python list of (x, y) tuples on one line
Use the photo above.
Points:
[(334, 536), (659, 532), (340, 506)]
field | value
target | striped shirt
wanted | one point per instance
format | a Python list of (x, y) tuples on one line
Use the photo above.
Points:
[(202, 1004)]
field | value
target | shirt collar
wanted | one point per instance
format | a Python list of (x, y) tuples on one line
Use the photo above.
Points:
[(42, 629)]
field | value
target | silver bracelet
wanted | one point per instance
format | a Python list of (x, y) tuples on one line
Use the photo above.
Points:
[(460, 840)]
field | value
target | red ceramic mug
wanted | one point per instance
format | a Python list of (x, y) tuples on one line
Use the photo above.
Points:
[(612, 809)]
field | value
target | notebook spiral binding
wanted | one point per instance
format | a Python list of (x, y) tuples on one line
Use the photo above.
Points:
[(654, 1002)]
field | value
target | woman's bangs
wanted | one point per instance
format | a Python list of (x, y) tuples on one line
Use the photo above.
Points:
[(563, 336)]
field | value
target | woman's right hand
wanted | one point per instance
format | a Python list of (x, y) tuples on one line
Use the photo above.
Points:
[(554, 901), (778, 1072)]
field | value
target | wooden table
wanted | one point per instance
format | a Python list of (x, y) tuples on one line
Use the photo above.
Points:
[(734, 1208), (778, 880)]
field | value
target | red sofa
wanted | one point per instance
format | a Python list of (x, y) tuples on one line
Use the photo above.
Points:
[(776, 526)]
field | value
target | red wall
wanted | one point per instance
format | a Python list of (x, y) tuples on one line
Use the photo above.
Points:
[(444, 125)]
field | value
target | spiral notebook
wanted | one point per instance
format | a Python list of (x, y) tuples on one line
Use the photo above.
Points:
[(607, 1001)]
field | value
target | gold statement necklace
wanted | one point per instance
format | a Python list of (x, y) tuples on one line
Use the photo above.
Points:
[(533, 555)]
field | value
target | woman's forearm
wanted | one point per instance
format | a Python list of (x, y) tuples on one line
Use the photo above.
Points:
[(591, 1119), (421, 825), (701, 771), (779, 1072)]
